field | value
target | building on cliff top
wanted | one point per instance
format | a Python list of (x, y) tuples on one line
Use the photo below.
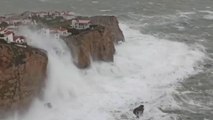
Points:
[(56, 33), (19, 39), (80, 24), (10, 37), (63, 32)]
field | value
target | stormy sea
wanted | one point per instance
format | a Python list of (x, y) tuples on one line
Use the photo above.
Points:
[(165, 63)]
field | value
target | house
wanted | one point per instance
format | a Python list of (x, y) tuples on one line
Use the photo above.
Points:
[(63, 32), (2, 30), (56, 33), (68, 15), (13, 21), (19, 40), (42, 14), (53, 32), (26, 21), (33, 14), (80, 24), (8, 36), (57, 13)]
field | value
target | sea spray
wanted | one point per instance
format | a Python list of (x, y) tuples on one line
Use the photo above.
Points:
[(145, 71)]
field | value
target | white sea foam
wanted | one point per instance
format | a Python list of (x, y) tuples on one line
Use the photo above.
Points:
[(43, 0), (206, 11), (208, 17), (144, 71), (107, 10), (95, 2)]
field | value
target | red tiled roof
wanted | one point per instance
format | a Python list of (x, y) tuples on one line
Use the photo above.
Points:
[(9, 32)]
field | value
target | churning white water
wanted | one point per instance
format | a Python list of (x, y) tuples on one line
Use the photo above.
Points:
[(145, 71)]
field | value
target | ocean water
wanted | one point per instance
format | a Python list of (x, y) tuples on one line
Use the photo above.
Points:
[(165, 63)]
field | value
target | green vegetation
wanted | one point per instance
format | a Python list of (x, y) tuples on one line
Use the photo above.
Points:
[(53, 22), (4, 25), (3, 41)]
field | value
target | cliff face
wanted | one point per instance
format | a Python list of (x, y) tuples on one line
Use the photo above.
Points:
[(22, 72), (96, 44), (111, 23)]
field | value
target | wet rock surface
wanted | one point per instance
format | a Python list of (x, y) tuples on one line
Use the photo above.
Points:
[(111, 23), (97, 43), (22, 73)]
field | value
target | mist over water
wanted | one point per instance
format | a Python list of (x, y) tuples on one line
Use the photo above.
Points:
[(145, 70)]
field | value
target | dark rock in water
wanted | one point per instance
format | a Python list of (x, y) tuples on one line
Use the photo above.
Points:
[(139, 111), (124, 117), (208, 65), (49, 105)]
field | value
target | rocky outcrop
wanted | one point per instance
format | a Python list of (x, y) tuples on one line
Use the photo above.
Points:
[(97, 43), (94, 44), (22, 72), (111, 23)]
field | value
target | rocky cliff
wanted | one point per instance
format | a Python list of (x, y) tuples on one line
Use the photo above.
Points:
[(22, 72), (95, 44), (111, 23)]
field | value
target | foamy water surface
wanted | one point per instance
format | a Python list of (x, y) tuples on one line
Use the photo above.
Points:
[(145, 71)]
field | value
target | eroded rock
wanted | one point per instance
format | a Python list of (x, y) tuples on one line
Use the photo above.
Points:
[(111, 23), (22, 73), (90, 45)]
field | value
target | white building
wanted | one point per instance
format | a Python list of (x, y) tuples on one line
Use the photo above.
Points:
[(2, 30), (2, 33), (63, 32), (80, 24), (9, 35), (68, 17), (27, 21), (56, 33), (14, 21), (42, 14), (51, 32), (19, 39)]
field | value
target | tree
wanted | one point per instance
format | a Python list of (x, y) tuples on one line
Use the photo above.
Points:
[(1, 35), (4, 25)]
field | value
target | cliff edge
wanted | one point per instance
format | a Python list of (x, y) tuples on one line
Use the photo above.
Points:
[(111, 23), (22, 73), (95, 43)]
